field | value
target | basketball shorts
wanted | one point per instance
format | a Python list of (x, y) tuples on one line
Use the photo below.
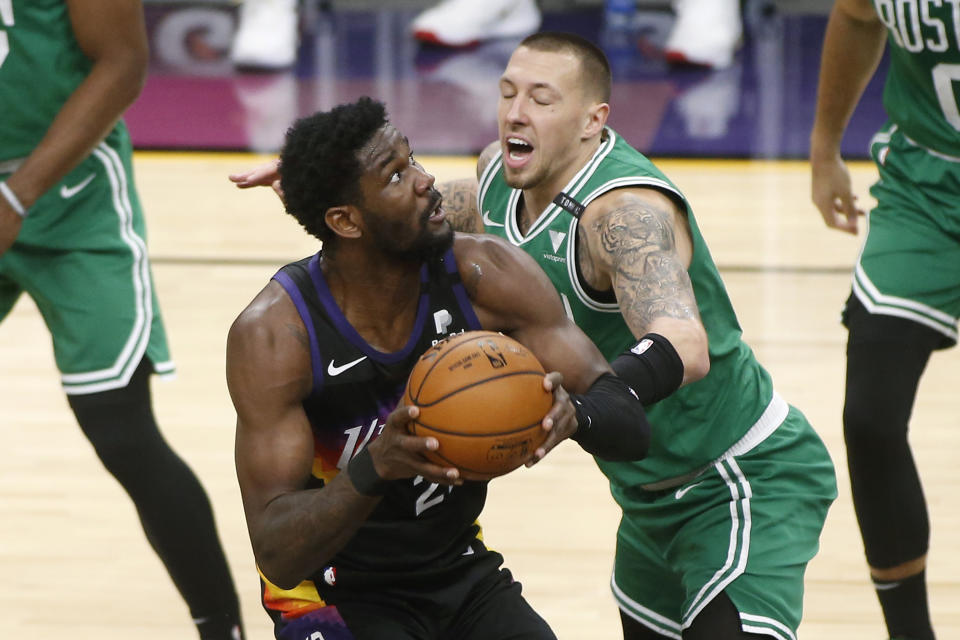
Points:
[(82, 257), (473, 599), (746, 526), (909, 265)]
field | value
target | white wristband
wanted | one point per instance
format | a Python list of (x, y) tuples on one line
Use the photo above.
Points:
[(12, 198)]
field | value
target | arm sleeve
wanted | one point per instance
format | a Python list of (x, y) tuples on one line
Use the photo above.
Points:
[(611, 422)]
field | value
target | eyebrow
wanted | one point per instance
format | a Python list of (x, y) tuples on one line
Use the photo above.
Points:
[(533, 87), (391, 156)]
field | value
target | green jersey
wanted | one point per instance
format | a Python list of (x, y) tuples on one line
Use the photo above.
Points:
[(701, 421), (40, 66), (920, 92)]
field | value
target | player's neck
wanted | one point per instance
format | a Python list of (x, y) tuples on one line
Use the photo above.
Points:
[(537, 198), (378, 297)]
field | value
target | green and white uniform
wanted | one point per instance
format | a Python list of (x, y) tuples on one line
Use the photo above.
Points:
[(909, 265), (81, 254), (704, 501)]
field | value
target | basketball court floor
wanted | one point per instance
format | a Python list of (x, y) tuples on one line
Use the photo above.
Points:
[(75, 562)]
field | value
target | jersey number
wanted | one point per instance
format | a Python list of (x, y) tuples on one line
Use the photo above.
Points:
[(944, 75), (6, 17)]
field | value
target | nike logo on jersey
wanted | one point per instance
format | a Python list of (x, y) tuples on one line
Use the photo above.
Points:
[(334, 370), (682, 492), (68, 192), (488, 222)]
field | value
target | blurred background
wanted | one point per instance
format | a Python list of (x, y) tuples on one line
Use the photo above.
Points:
[(759, 106)]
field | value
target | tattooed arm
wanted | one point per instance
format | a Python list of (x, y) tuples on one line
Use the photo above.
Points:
[(638, 242), (460, 196), (460, 205)]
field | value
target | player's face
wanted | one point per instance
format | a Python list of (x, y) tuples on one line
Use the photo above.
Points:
[(542, 112), (401, 208)]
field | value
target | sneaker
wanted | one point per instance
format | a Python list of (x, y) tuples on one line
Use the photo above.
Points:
[(266, 36), (463, 23), (706, 33)]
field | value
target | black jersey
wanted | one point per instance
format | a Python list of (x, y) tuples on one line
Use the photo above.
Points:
[(418, 526)]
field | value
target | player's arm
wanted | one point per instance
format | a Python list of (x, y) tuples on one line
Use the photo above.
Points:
[(852, 48), (112, 34), (294, 531), (460, 196), (638, 241), (511, 292), (460, 205)]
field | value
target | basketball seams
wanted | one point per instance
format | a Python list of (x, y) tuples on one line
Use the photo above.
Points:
[(488, 434), (449, 345), (477, 383), (465, 419)]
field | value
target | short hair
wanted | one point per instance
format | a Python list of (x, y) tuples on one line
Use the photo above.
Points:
[(594, 67), (319, 167)]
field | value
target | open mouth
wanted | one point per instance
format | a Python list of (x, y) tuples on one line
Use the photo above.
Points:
[(434, 211), (518, 151)]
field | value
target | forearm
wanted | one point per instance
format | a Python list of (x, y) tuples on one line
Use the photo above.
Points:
[(303, 530), (460, 205), (852, 49), (85, 118), (611, 422)]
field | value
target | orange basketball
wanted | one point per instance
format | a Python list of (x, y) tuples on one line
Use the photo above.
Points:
[(481, 396)]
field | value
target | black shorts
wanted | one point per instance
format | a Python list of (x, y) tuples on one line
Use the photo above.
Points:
[(475, 599)]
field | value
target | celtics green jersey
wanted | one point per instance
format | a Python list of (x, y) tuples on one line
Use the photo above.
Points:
[(920, 95), (40, 66), (699, 422)]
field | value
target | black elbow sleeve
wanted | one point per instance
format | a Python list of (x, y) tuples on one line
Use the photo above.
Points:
[(652, 368), (611, 422)]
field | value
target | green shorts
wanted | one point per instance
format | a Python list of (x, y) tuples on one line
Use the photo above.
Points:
[(82, 257), (909, 265), (746, 526)]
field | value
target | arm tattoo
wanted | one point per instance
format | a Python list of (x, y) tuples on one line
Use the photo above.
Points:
[(460, 205), (638, 242)]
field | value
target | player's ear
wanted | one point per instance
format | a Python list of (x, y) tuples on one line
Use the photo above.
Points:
[(596, 119), (344, 220)]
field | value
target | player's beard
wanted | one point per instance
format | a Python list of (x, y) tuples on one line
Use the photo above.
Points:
[(424, 245)]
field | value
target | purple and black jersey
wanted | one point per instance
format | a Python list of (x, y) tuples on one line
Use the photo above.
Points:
[(419, 527)]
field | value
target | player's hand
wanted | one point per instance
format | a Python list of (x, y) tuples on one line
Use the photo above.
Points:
[(397, 454), (832, 193), (10, 225), (265, 175), (561, 421)]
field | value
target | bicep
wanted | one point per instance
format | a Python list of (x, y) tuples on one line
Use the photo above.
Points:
[(513, 294), (268, 375), (644, 248)]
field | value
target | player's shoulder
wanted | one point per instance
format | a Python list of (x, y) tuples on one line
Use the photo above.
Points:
[(627, 200), (269, 311), (485, 249)]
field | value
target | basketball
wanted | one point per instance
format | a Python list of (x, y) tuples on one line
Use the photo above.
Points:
[(481, 395)]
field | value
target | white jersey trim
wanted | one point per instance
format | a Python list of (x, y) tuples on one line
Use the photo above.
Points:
[(118, 375)]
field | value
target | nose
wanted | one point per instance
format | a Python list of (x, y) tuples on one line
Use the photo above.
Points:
[(515, 111), (425, 180)]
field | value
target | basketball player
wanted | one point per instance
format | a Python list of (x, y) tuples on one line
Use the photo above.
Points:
[(721, 519), (904, 302), (355, 533), (723, 515), (72, 237)]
